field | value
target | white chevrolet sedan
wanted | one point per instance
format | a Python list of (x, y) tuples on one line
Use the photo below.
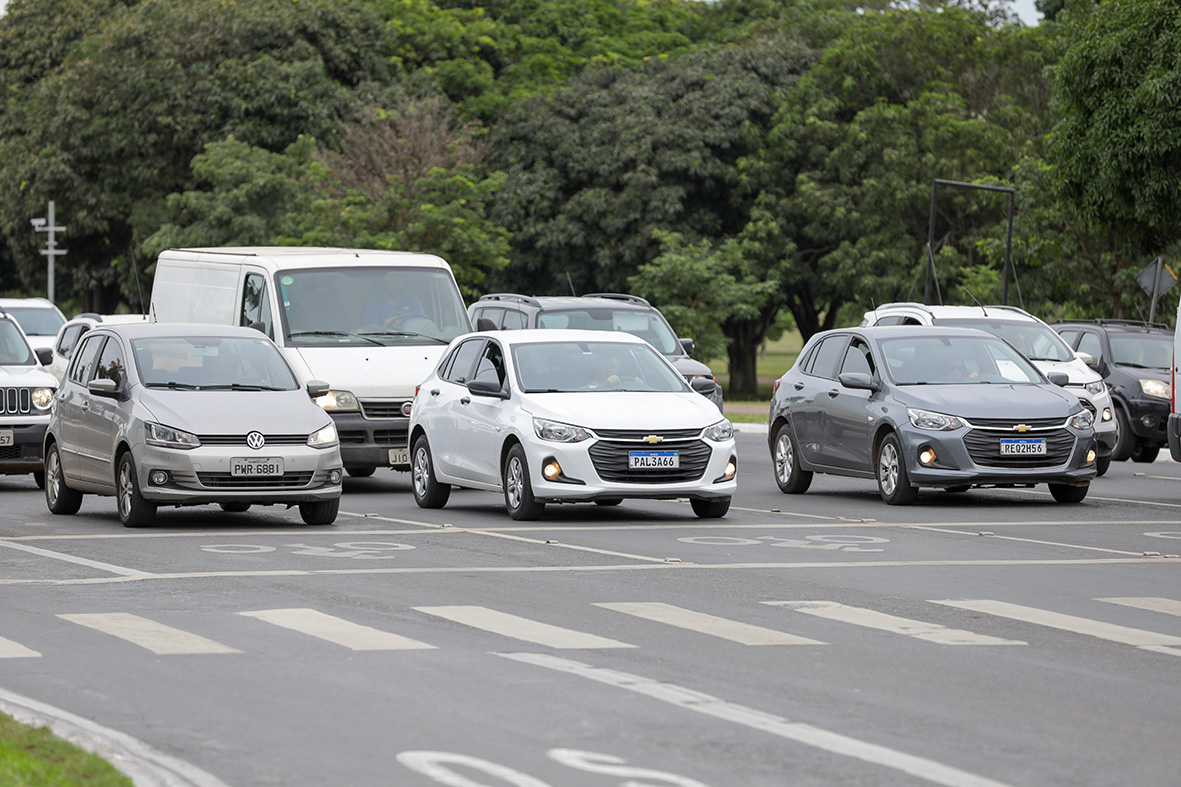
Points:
[(564, 416)]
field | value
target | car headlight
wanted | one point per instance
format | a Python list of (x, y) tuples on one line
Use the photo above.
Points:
[(935, 422), (167, 437), (1095, 388), (558, 432), (1156, 388), (324, 438), (722, 430), (337, 401), (1082, 420), (42, 398)]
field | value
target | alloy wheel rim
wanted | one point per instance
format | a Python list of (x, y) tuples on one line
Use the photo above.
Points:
[(512, 486), (53, 479), (888, 468), (420, 471), (125, 489), (784, 458)]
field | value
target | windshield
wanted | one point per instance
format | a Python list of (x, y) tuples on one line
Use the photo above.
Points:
[(1035, 340), (566, 367), (211, 362), (648, 325), (1143, 351), (946, 360), (37, 321), (370, 305), (14, 350)]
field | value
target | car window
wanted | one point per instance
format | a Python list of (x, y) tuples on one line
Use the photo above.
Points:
[(491, 365), (1142, 350), (69, 339), (256, 303), (827, 356), (648, 325), (37, 320), (84, 359), (14, 350), (514, 320), (947, 360), (110, 364), (858, 359), (1033, 338), (464, 360), (493, 315), (1090, 344), (212, 362), (566, 366), (1068, 335)]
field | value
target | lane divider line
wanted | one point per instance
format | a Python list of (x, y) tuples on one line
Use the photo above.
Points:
[(81, 561)]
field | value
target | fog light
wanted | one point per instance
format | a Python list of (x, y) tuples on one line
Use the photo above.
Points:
[(406, 407), (1148, 421), (927, 456), (1090, 455), (158, 477), (731, 469), (551, 470), (334, 476), (1106, 413)]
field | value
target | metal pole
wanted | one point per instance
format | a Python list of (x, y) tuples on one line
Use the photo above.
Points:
[(1008, 254), (51, 250), (930, 244), (1160, 261)]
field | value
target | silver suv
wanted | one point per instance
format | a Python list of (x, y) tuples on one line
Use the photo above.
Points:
[(26, 400), (1035, 340)]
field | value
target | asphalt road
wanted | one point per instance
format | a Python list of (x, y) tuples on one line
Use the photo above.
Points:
[(992, 637)]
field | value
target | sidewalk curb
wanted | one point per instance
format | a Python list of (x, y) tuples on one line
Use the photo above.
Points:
[(750, 428)]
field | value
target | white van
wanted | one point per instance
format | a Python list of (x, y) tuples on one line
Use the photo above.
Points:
[(373, 324)]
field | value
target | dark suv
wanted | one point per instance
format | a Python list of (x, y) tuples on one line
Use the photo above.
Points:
[(1135, 359), (599, 311)]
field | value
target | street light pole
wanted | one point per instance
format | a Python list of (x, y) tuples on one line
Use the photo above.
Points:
[(51, 250)]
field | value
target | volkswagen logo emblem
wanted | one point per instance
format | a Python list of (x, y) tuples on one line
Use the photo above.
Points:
[(255, 440)]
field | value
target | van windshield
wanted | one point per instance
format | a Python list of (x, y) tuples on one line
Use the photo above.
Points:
[(370, 305)]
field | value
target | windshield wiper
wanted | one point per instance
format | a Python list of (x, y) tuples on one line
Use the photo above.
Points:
[(337, 333), (241, 387), (173, 384), (404, 333)]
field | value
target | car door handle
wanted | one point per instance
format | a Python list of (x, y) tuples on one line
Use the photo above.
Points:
[(800, 386), (434, 392), (466, 400), (86, 405), (834, 393)]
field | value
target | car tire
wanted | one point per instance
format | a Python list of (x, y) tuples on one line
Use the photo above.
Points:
[(1064, 493), (1102, 463), (360, 472), (714, 508), (321, 512), (134, 510), (1125, 441), (893, 480), (60, 498), (428, 492), (791, 478), (609, 501), (518, 490), (39, 478), (235, 508), (1144, 453)]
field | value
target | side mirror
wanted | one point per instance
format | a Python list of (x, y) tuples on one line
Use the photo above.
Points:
[(858, 380), (103, 387), (259, 326), (687, 345), (487, 387), (44, 355), (316, 388), (1058, 378), (703, 386), (1086, 358), (484, 324)]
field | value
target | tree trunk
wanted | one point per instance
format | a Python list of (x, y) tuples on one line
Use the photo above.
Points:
[(743, 352)]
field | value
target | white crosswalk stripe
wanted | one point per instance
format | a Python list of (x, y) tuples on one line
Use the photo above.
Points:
[(1146, 640), (156, 637), (522, 628), (930, 632), (743, 633), (337, 630), (15, 650), (1166, 605)]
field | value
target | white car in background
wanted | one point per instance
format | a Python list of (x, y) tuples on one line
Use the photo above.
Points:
[(38, 318), (566, 416), (71, 332)]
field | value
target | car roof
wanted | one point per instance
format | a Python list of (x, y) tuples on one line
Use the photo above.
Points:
[(1125, 326), (938, 311), (151, 330), (562, 302), (550, 335), (312, 256), (880, 332), (89, 318), (43, 303)]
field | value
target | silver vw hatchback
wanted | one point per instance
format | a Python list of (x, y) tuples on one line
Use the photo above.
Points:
[(176, 414)]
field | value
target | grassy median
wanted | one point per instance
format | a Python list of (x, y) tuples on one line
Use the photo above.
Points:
[(35, 757)]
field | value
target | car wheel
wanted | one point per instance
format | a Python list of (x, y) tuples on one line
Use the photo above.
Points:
[(134, 511), (791, 478), (1102, 463), (609, 501), (321, 512), (1144, 453), (39, 478), (518, 491), (1064, 493), (59, 497), (360, 472), (428, 492), (893, 480), (1125, 441), (235, 508), (714, 508)]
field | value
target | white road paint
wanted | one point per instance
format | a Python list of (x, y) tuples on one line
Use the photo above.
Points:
[(688, 699), (928, 632), (15, 650), (568, 546), (742, 633), (522, 628), (1166, 605), (81, 561), (336, 630), (156, 637), (1147, 640)]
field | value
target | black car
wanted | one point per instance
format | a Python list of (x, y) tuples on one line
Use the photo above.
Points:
[(920, 406), (599, 311), (1135, 359)]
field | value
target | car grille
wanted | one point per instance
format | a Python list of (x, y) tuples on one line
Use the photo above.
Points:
[(1007, 424), (240, 439), (638, 434), (10, 452), (374, 408), (227, 481), (610, 461), (984, 446), (17, 400)]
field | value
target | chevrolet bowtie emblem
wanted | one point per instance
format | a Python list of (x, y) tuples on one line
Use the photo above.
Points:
[(653, 438), (1022, 428)]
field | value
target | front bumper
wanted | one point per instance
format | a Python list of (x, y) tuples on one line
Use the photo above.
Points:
[(25, 454), (366, 442), (1148, 419), (202, 475), (957, 465), (585, 464), (1174, 430)]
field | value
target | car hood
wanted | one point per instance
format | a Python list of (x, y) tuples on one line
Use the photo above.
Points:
[(1144, 373), (33, 376), (1078, 372), (371, 371), (687, 366), (980, 400), (235, 412), (626, 409)]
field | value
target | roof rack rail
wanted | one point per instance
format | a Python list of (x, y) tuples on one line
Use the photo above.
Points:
[(91, 315), (510, 296), (1112, 321), (618, 296)]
